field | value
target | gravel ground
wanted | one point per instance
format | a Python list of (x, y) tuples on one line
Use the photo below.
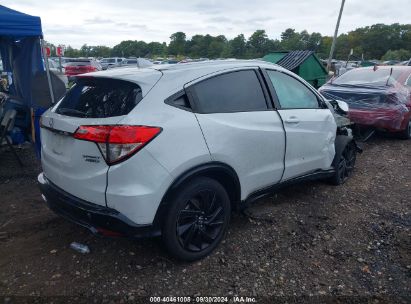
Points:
[(308, 242)]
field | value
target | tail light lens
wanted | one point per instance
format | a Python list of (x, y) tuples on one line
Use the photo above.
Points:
[(80, 69), (90, 68), (117, 143)]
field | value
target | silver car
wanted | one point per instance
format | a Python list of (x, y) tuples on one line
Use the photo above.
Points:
[(171, 150)]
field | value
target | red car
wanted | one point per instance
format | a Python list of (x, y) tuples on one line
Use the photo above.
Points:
[(80, 66), (378, 97)]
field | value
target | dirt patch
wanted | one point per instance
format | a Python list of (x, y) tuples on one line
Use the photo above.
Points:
[(308, 240)]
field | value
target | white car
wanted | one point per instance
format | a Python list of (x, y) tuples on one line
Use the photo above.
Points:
[(107, 63), (171, 150)]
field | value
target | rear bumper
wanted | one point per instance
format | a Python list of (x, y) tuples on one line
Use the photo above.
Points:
[(391, 119), (98, 219)]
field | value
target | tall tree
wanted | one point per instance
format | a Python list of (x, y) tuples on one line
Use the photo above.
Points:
[(291, 40), (373, 41), (258, 44), (238, 46), (177, 43), (216, 47)]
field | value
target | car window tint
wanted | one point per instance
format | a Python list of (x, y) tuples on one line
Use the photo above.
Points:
[(238, 91), (291, 93), (99, 98)]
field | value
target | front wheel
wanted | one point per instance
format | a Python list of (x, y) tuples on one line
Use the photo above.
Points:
[(344, 164), (406, 133), (197, 219)]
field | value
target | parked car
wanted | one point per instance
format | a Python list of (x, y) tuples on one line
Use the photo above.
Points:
[(378, 97), (54, 67), (171, 150), (135, 62), (111, 62), (80, 66), (391, 62), (64, 60)]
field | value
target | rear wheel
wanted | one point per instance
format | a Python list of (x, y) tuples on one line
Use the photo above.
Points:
[(344, 165), (406, 133), (197, 219)]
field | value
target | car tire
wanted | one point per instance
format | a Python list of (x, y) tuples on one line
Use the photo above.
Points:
[(197, 219), (406, 133), (344, 164)]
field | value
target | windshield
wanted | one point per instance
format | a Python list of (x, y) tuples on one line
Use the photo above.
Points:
[(368, 77)]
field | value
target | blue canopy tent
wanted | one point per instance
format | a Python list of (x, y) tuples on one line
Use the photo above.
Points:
[(20, 49)]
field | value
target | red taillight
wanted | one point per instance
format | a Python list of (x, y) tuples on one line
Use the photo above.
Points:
[(90, 68), (80, 69), (117, 143), (98, 134)]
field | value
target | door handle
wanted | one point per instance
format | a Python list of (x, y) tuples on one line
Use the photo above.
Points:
[(292, 119)]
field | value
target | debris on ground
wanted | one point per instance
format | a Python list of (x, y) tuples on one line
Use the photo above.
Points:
[(80, 247)]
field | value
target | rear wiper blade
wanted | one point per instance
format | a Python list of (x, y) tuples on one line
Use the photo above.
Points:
[(72, 112)]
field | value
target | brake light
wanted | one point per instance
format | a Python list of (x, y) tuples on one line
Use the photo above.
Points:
[(117, 143), (90, 68)]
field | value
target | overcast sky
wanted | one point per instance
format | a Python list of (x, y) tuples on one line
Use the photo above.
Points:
[(108, 22)]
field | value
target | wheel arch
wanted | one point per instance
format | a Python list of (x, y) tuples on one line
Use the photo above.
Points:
[(341, 141), (219, 171)]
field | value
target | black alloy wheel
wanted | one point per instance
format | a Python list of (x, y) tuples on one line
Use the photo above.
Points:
[(197, 219), (345, 164), (406, 133), (201, 221)]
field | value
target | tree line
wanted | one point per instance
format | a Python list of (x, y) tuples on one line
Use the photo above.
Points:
[(378, 41)]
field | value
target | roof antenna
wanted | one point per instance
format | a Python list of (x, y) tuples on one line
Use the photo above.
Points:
[(388, 79)]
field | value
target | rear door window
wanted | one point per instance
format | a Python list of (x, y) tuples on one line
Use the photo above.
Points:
[(238, 91), (100, 98)]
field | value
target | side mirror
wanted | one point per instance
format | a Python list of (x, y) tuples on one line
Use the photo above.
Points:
[(339, 106), (343, 106)]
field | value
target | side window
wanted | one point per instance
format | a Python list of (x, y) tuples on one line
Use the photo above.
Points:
[(238, 91), (179, 100), (291, 93)]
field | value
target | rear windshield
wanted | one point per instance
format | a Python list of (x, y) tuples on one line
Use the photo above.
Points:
[(379, 77), (99, 98), (78, 63)]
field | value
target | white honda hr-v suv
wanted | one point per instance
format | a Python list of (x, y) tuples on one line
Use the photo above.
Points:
[(171, 150)]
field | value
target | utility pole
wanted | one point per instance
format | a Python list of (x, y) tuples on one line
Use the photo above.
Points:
[(335, 37)]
